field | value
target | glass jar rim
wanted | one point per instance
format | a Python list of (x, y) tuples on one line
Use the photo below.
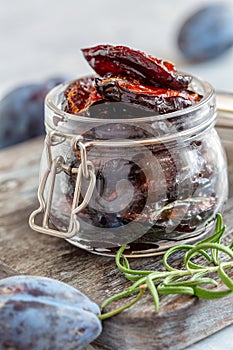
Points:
[(208, 91)]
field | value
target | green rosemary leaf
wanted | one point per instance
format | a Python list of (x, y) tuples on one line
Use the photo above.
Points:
[(208, 245), (132, 278), (170, 279), (201, 273), (118, 296), (217, 234), (120, 309), (225, 278), (196, 279), (194, 282), (189, 264), (153, 291), (220, 234), (190, 280), (205, 280), (162, 289), (215, 252), (124, 269), (127, 266), (192, 266), (210, 294), (219, 223), (170, 252), (125, 262)]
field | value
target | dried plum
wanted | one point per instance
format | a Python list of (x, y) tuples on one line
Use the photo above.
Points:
[(80, 95), (140, 83), (108, 60), (152, 98)]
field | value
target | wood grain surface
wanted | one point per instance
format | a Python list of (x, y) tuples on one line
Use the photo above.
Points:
[(181, 321)]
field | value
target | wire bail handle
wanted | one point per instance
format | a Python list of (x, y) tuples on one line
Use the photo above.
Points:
[(55, 166)]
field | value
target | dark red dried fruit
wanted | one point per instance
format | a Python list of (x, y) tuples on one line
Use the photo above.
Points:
[(80, 95), (118, 173), (153, 98), (131, 77), (123, 61), (116, 110)]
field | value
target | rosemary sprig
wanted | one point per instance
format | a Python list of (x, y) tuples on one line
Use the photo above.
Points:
[(193, 279)]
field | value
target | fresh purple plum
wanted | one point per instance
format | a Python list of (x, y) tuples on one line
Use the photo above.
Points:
[(208, 33), (42, 313), (22, 112)]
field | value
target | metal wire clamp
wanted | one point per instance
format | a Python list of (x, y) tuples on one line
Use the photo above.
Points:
[(55, 166)]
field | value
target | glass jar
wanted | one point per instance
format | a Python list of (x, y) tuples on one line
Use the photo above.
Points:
[(148, 182)]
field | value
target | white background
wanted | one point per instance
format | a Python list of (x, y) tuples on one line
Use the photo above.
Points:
[(41, 38)]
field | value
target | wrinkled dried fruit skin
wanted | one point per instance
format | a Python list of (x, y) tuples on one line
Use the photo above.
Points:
[(40, 313), (83, 98), (80, 95), (208, 33), (157, 99), (125, 62), (130, 77)]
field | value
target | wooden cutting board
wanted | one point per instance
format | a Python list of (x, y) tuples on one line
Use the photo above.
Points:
[(181, 321)]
